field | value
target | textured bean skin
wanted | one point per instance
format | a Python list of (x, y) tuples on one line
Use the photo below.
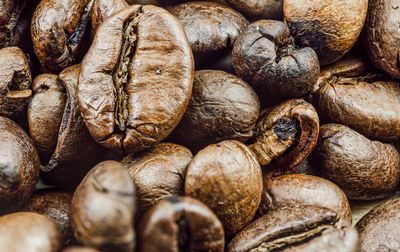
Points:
[(102, 9), (259, 9)]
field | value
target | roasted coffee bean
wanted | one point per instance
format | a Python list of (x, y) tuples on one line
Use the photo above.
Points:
[(296, 228), (54, 113), (132, 102), (59, 32), (379, 228), (26, 231), (19, 163), (103, 208), (364, 169), (102, 9), (287, 132), (56, 205), (222, 106), (211, 28), (382, 37), (330, 27), (80, 249), (348, 93), (266, 56), (259, 9), (181, 224), (158, 173), (228, 179), (298, 189), (10, 11), (306, 167), (15, 82)]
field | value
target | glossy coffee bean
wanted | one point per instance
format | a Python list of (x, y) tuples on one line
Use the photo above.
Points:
[(19, 162), (349, 93), (10, 13), (59, 30), (379, 228), (131, 103), (382, 37), (259, 9), (158, 173), (56, 124), (287, 132), (26, 231), (227, 178), (266, 56), (181, 224), (222, 106), (15, 82), (298, 189), (330, 27), (364, 169), (103, 208), (102, 9), (54, 204), (211, 28), (296, 228)]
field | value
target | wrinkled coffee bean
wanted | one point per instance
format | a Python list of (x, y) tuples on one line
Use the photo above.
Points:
[(211, 28), (296, 228), (56, 205), (102, 9), (382, 36), (74, 152), (379, 228), (10, 11), (364, 169), (181, 224), (259, 9), (266, 56), (298, 189), (158, 173), (131, 103), (347, 93), (228, 179), (287, 133), (103, 208), (329, 27), (80, 249), (19, 166), (59, 31), (221, 107), (15, 82), (26, 231)]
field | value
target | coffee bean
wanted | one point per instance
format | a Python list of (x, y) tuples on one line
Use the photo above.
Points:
[(102, 9), (10, 14), (259, 9)]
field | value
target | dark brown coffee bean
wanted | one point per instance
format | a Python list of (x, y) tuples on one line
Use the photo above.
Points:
[(80, 249), (379, 228), (211, 28), (26, 231), (306, 167), (59, 31), (349, 94), (181, 224), (15, 82), (10, 11), (54, 204), (298, 189), (102, 9), (296, 228), (45, 112), (259, 9), (103, 208), (227, 178), (132, 102), (330, 27), (158, 173), (382, 37), (74, 151), (287, 133), (364, 169), (222, 106), (265, 55), (19, 163)]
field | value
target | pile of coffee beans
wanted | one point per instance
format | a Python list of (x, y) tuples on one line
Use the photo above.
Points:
[(225, 125)]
